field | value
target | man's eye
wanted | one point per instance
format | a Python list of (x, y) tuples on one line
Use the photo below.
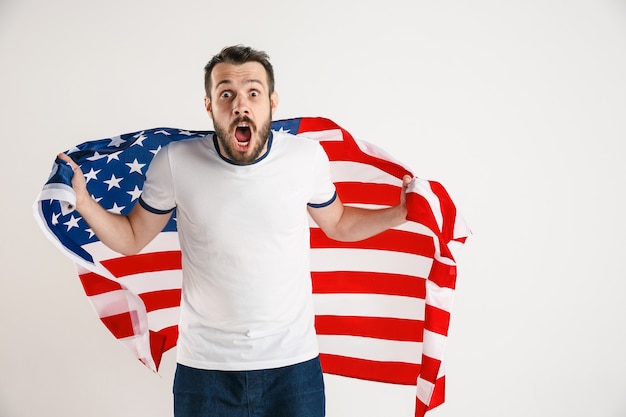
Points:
[(255, 93), (226, 94)]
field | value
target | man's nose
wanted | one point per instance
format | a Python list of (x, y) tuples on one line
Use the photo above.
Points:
[(240, 105)]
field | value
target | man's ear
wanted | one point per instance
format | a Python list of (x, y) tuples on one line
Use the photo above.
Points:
[(274, 101), (207, 106)]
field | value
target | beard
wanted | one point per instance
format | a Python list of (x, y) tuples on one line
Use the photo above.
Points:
[(228, 149)]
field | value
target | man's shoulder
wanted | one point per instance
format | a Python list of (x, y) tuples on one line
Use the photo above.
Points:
[(189, 145), (283, 137)]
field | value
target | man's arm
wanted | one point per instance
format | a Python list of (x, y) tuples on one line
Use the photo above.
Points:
[(124, 234), (350, 224)]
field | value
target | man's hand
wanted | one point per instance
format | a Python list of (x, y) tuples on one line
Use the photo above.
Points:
[(406, 181), (349, 224), (123, 234), (78, 181)]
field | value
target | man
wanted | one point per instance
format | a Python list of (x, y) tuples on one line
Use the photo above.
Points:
[(247, 343)]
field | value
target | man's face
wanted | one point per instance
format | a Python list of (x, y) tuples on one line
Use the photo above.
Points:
[(241, 108)]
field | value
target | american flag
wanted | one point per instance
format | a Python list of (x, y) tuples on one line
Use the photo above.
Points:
[(382, 304)]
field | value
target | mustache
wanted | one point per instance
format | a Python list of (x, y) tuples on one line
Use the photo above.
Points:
[(242, 119)]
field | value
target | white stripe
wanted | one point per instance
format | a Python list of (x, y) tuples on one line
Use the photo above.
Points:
[(369, 305), (153, 281), (324, 135), (163, 242), (56, 191), (440, 297), (434, 344), (165, 317), (371, 349), (417, 228), (117, 302), (346, 171), (374, 150), (139, 345), (461, 229), (370, 260), (424, 390), (455, 248)]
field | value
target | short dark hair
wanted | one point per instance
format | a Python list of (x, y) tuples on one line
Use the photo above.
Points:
[(239, 54)]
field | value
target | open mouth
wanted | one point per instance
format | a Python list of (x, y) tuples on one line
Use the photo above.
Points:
[(243, 135)]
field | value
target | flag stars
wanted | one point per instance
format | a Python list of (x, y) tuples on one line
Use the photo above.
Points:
[(134, 194), (140, 137), (135, 166), (96, 156), (116, 141), (91, 233), (72, 222), (91, 175), (55, 218), (116, 209), (114, 155), (155, 151), (113, 182)]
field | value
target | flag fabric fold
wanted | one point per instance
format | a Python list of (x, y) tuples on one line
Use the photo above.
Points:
[(382, 305)]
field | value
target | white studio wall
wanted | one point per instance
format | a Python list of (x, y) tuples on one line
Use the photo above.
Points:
[(518, 108)]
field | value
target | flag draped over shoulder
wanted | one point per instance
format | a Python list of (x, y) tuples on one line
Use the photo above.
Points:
[(382, 305)]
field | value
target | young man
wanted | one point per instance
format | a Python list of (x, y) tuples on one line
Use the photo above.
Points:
[(247, 343)]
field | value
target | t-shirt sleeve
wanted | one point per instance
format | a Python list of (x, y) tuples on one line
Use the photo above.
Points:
[(324, 191), (157, 195)]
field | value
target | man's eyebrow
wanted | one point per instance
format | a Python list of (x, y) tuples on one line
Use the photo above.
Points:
[(250, 81)]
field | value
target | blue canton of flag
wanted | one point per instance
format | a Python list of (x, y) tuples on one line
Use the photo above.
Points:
[(129, 154)]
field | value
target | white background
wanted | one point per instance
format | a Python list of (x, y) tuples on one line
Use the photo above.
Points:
[(517, 107)]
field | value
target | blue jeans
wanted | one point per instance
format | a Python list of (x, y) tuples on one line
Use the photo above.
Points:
[(290, 391)]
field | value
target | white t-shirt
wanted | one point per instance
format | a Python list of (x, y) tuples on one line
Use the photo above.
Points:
[(244, 235)]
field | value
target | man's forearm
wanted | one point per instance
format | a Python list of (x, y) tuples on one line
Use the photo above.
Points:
[(359, 223), (114, 230)]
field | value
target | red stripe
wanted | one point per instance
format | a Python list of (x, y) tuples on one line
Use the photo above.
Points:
[(421, 212), (144, 262), (391, 240), (448, 210), (439, 392), (376, 327), (350, 282), (343, 151), (436, 320), (171, 337), (120, 325), (390, 372), (368, 193), (95, 284), (315, 124), (430, 368), (442, 274), (162, 341), (157, 300)]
